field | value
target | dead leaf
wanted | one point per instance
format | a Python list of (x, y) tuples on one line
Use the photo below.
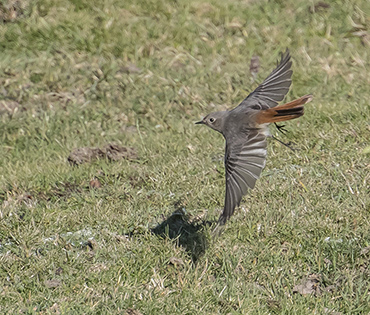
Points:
[(116, 152), (310, 285), (113, 152), (92, 244), (53, 283), (59, 271), (130, 68), (11, 10), (254, 66), (98, 268), (176, 261), (94, 183), (82, 155), (131, 311), (235, 24)]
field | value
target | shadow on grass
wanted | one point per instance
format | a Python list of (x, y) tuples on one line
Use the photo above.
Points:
[(189, 234)]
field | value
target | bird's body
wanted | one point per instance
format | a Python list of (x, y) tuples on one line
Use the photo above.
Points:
[(245, 129)]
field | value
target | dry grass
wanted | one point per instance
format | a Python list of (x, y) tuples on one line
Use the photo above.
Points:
[(139, 74)]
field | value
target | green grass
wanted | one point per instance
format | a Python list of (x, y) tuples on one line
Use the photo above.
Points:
[(67, 248)]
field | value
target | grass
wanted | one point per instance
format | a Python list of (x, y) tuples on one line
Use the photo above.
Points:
[(139, 74)]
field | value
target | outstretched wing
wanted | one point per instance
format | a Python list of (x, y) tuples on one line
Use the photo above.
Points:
[(273, 90), (244, 160)]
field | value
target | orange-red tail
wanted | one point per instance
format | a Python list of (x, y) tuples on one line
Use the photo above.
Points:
[(291, 110)]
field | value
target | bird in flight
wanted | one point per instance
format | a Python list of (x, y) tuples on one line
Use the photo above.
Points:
[(245, 129)]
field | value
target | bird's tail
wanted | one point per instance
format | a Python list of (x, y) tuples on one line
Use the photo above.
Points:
[(291, 110)]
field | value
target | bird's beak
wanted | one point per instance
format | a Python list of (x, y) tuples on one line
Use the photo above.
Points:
[(199, 122)]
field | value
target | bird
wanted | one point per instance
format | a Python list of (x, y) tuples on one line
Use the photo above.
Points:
[(245, 129)]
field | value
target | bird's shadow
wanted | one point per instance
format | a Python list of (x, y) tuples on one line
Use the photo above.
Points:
[(189, 234)]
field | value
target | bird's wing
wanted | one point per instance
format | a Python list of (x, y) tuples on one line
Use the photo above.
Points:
[(271, 91), (245, 157)]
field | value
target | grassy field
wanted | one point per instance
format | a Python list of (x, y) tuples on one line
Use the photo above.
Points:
[(99, 237)]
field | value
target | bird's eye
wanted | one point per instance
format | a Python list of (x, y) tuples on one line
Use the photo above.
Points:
[(211, 120)]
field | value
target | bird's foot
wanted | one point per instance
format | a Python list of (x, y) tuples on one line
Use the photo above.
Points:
[(281, 128)]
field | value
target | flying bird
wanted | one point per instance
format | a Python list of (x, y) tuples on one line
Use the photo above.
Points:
[(245, 129)]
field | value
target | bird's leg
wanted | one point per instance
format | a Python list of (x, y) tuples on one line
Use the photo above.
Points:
[(281, 128), (288, 145)]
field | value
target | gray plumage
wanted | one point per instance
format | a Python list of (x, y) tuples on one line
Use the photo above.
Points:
[(246, 145)]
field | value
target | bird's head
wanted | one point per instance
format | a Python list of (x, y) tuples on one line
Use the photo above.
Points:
[(214, 120)]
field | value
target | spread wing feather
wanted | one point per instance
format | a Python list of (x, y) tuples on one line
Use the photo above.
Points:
[(244, 160), (273, 90)]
